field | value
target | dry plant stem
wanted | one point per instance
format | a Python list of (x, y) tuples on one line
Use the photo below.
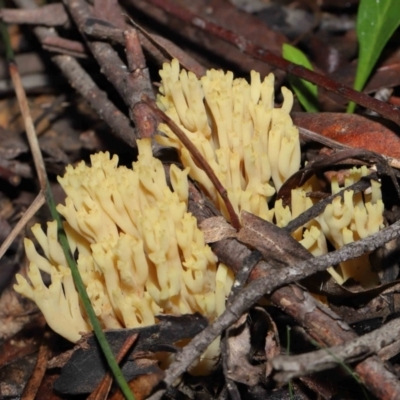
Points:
[(111, 64), (30, 129), (49, 15), (329, 330), (99, 31), (171, 50), (29, 213), (159, 48), (64, 46), (385, 109), (130, 85), (289, 367), (200, 160), (102, 390), (31, 388), (86, 87), (316, 137), (150, 47), (144, 119), (98, 99)]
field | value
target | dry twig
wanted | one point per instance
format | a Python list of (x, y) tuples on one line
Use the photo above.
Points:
[(85, 86), (289, 367)]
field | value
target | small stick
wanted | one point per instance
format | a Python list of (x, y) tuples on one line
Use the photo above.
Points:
[(289, 367), (265, 285), (49, 15), (102, 390), (32, 387), (29, 127), (201, 161), (29, 213)]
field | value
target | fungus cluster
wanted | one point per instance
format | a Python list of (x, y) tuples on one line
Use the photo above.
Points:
[(140, 252), (253, 148), (354, 217)]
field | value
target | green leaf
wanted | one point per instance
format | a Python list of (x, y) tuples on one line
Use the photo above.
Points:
[(376, 22), (306, 91)]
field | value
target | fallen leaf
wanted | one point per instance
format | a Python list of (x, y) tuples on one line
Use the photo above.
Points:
[(353, 130)]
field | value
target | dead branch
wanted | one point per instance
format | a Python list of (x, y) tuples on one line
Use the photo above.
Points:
[(49, 15), (322, 323), (64, 46), (290, 367), (85, 86), (265, 285)]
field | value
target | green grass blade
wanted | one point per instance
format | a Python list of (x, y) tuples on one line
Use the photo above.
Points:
[(98, 331), (306, 92), (376, 22)]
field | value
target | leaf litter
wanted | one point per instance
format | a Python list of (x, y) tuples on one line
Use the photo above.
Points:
[(251, 345)]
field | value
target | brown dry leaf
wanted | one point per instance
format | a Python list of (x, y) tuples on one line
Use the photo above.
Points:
[(15, 312), (154, 338), (271, 241), (352, 130), (238, 346), (103, 389), (272, 343)]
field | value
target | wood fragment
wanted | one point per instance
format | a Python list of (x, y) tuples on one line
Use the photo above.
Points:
[(289, 367)]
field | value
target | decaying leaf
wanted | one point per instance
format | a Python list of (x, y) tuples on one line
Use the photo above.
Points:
[(155, 338), (239, 368)]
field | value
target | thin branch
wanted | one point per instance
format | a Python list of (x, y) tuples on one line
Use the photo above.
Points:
[(319, 207), (81, 81), (265, 285), (29, 127), (289, 367), (49, 15), (29, 213)]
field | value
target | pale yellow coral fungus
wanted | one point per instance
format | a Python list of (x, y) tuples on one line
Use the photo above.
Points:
[(343, 221), (355, 217), (251, 146), (140, 252)]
